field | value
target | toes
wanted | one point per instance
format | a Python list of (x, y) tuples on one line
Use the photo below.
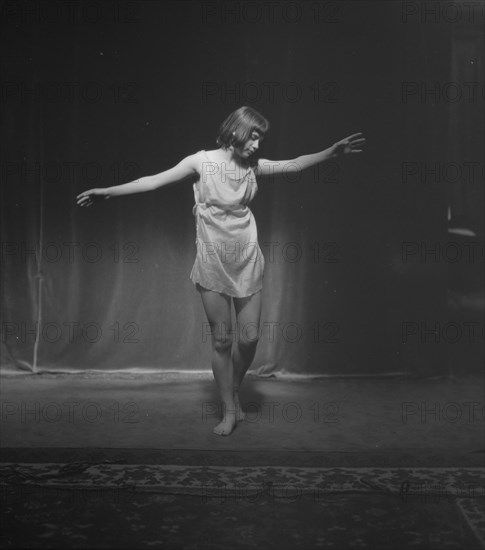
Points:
[(225, 429)]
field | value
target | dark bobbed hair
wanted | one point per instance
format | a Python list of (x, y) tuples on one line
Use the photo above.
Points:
[(239, 125)]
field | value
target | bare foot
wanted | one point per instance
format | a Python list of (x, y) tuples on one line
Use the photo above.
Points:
[(240, 415), (227, 425)]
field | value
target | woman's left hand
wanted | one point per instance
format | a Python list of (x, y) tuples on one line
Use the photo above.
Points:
[(351, 144)]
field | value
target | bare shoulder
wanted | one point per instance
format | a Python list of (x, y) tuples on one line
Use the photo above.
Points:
[(204, 157), (194, 161), (259, 166), (213, 155)]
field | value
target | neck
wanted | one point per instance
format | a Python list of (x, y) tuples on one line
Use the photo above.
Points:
[(231, 156)]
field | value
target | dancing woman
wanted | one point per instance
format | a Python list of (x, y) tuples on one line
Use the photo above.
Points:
[(229, 264)]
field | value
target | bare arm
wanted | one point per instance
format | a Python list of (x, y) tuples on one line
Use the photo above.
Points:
[(350, 144), (185, 168)]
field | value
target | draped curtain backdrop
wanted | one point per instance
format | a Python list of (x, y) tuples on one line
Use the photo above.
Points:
[(101, 93)]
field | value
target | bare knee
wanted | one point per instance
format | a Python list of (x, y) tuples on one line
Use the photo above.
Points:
[(222, 344), (248, 345), (248, 337)]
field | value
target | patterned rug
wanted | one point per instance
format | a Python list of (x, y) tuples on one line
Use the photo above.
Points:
[(443, 483), (307, 507)]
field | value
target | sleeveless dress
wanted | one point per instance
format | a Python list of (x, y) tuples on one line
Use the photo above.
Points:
[(229, 259)]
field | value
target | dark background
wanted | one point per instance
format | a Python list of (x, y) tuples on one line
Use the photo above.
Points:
[(101, 93)]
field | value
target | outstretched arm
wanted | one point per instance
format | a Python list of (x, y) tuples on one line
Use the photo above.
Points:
[(350, 144), (185, 168)]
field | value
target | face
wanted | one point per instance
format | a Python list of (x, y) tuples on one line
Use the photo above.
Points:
[(251, 145)]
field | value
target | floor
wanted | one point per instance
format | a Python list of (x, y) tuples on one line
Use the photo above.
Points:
[(129, 460)]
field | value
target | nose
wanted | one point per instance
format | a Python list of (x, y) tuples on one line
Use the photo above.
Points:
[(256, 144)]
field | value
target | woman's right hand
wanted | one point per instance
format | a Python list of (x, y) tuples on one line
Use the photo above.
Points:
[(89, 197)]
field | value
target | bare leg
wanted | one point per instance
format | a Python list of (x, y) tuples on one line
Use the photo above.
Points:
[(218, 310), (248, 314)]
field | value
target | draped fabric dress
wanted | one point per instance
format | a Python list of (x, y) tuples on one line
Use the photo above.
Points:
[(229, 259)]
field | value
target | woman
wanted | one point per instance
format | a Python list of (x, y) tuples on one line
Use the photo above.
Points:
[(229, 264)]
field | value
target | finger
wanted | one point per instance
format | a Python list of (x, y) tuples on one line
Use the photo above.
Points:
[(354, 136), (357, 151), (84, 194)]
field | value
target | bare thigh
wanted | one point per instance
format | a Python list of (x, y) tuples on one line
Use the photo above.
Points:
[(248, 316), (218, 312)]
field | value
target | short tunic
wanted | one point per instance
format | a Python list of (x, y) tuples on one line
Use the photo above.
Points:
[(229, 259)]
